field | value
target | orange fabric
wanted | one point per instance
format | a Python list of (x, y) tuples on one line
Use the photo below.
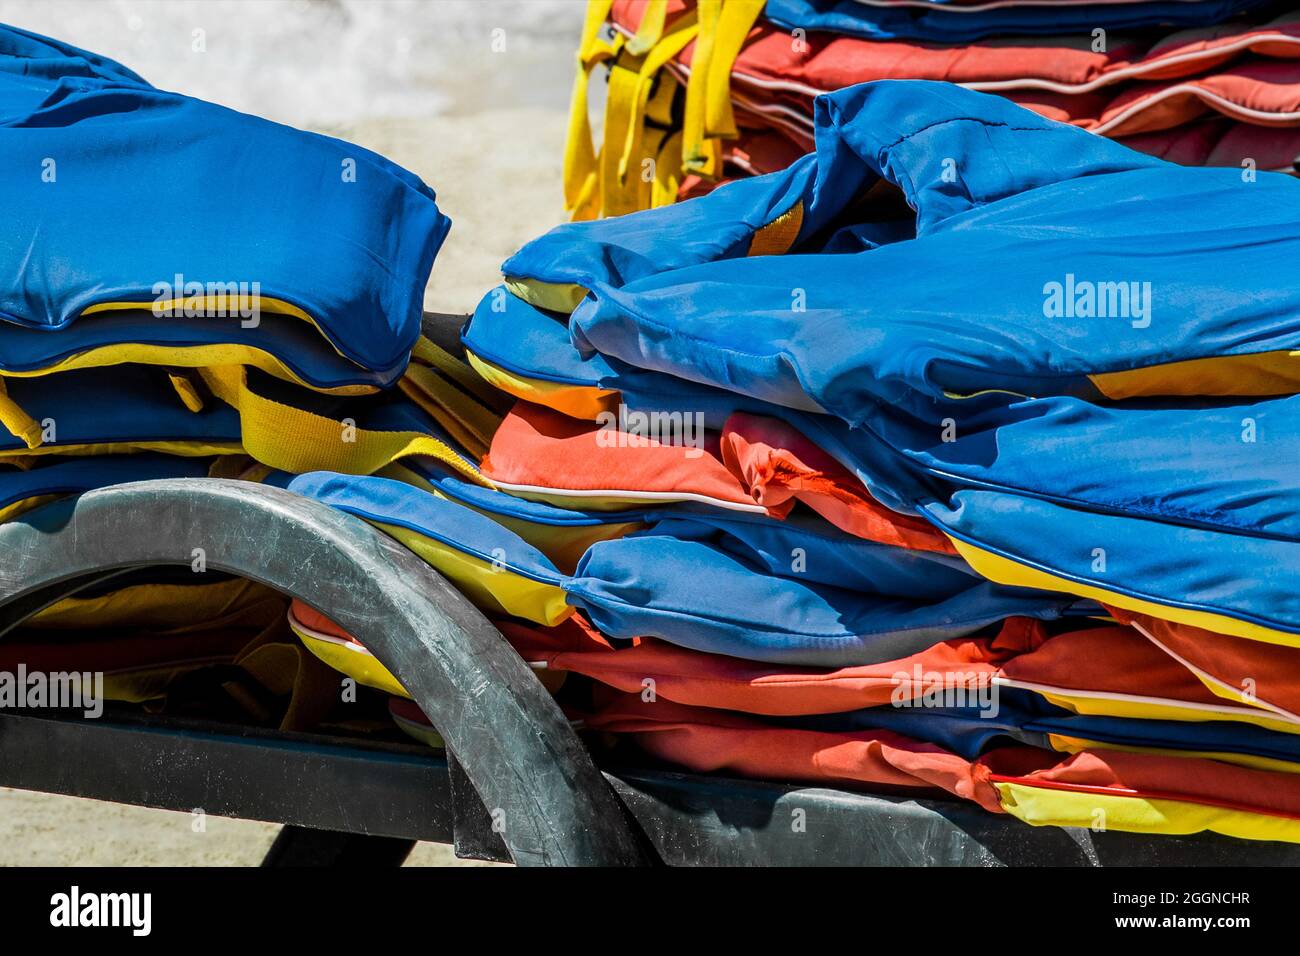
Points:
[(1115, 660), (779, 466), (1153, 776), (710, 741), (714, 680), (1270, 671), (543, 448)]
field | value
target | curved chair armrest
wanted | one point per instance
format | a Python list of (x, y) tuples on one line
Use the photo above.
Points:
[(553, 806)]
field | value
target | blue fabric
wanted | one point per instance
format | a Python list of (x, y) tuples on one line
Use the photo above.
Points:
[(718, 585), (1034, 203), (942, 23), (1024, 717), (231, 198), (62, 476), (125, 403)]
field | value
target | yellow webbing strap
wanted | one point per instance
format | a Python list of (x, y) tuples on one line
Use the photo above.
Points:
[(696, 156), (581, 187), (448, 390), (737, 20), (723, 29), (776, 238), (186, 390), (638, 96), (668, 172), (18, 422), (650, 29), (296, 440)]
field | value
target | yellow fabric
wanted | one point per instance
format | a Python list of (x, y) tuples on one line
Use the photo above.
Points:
[(776, 238), (1164, 710), (352, 660), (186, 449), (175, 608), (298, 441), (186, 391), (697, 156), (464, 419), (1074, 745), (281, 665), (18, 422), (20, 508), (428, 353), (1005, 571), (1263, 373), (1040, 806), (492, 589), (577, 401), (734, 24), (192, 356), (553, 297), (668, 173), (581, 186), (631, 101), (650, 29)]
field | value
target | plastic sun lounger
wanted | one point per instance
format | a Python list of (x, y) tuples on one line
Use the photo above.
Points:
[(515, 783)]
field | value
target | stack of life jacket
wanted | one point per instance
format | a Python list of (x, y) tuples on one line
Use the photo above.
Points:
[(189, 291), (853, 473), (956, 457), (704, 91)]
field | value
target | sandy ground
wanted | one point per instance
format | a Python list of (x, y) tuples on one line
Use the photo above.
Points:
[(496, 169)]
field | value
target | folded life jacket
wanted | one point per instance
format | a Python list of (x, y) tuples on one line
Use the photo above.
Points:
[(24, 489), (1019, 215), (227, 409), (769, 63), (1262, 675), (756, 465), (955, 23), (1220, 142), (1109, 789), (885, 602), (91, 133), (348, 656), (1144, 793), (1024, 717), (1107, 685)]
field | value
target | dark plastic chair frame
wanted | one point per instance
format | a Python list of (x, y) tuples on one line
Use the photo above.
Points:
[(516, 784)]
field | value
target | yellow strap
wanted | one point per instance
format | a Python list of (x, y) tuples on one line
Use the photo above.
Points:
[(580, 170), (429, 353), (18, 422), (650, 29), (696, 156), (668, 175), (736, 21), (186, 390), (776, 238), (683, 32), (469, 423), (295, 440)]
